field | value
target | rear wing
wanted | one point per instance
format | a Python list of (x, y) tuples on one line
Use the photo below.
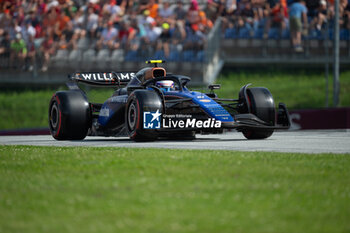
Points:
[(102, 78)]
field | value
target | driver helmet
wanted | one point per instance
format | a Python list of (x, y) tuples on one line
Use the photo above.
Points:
[(165, 85)]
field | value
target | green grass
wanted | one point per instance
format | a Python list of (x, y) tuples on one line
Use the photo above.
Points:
[(24, 109), (298, 89), (28, 109), (45, 189)]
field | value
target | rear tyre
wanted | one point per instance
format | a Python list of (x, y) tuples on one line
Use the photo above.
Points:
[(141, 101), (262, 105), (69, 115)]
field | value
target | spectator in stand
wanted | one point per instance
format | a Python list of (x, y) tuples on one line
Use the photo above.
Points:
[(30, 59), (68, 32), (50, 18), (297, 16), (63, 20), (19, 15), (48, 48), (112, 8), (165, 37), (179, 11), (262, 11), (193, 13), (78, 19), (248, 17), (18, 52), (15, 29), (137, 37), (312, 6), (42, 7), (178, 33), (5, 46), (153, 32), (152, 6), (194, 38), (347, 17), (278, 17), (34, 18), (28, 31), (320, 16), (144, 18), (215, 8), (166, 11), (92, 22), (153, 9), (6, 20), (230, 7), (127, 6), (344, 12), (204, 23), (127, 32), (108, 37)]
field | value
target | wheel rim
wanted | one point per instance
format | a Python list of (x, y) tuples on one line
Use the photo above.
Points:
[(54, 116), (132, 116)]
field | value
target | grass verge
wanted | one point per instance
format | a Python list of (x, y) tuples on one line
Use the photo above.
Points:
[(52, 189), (29, 108), (298, 89)]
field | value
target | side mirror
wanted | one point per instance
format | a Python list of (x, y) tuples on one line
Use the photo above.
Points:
[(214, 87)]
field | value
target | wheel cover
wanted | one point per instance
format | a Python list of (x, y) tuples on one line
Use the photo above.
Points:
[(54, 116), (132, 116)]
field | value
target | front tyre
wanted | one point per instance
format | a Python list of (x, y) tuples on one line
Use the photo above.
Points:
[(262, 105), (69, 115), (257, 133)]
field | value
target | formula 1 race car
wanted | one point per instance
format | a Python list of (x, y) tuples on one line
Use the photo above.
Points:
[(152, 104)]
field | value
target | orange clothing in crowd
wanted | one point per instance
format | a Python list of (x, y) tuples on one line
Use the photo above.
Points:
[(63, 21), (284, 3), (204, 20), (153, 11)]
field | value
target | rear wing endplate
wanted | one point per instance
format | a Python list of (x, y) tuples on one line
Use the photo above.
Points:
[(103, 78)]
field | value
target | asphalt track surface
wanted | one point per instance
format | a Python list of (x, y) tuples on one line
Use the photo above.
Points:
[(320, 141)]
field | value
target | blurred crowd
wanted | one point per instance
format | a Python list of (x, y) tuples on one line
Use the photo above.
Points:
[(38, 29), (286, 19), (32, 27)]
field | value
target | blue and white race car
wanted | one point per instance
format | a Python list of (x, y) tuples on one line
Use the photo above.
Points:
[(151, 104)]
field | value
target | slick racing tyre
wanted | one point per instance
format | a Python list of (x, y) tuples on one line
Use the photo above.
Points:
[(143, 103), (261, 105), (69, 115)]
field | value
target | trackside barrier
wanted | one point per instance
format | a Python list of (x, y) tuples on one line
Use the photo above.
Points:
[(331, 118)]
